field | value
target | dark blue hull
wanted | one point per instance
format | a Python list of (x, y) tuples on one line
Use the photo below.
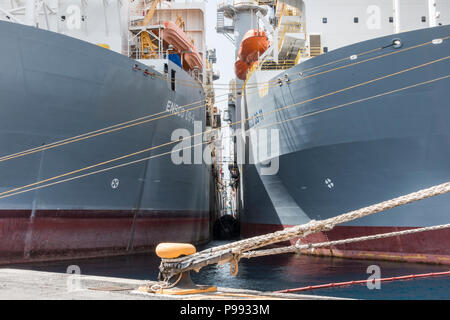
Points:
[(355, 132), (54, 87)]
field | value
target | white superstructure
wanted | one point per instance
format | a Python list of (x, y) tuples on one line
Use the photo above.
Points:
[(95, 21), (340, 23), (300, 29), (105, 22)]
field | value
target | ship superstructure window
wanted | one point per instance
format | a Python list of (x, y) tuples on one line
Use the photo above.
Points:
[(391, 19), (325, 49), (172, 79), (324, 20), (355, 20), (424, 19)]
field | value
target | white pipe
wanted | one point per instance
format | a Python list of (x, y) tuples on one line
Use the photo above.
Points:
[(10, 16), (274, 32), (44, 9), (432, 13), (396, 5), (275, 45), (30, 13), (105, 4), (17, 10)]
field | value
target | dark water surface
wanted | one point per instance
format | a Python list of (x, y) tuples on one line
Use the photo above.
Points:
[(277, 273)]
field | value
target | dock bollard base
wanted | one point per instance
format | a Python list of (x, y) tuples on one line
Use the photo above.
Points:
[(183, 286)]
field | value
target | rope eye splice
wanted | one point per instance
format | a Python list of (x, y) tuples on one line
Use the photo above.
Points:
[(234, 264), (176, 283)]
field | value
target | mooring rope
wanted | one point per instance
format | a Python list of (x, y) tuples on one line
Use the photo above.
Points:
[(40, 184), (21, 188), (324, 225), (274, 82), (145, 119), (232, 252), (298, 247)]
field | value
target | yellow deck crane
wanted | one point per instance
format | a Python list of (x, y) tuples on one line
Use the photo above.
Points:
[(148, 48)]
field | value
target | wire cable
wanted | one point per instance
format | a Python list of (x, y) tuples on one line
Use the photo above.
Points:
[(35, 186)]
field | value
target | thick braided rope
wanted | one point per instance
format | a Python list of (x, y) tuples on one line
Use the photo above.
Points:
[(239, 247), (298, 247), (316, 226)]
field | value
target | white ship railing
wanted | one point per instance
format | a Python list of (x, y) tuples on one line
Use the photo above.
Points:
[(237, 2)]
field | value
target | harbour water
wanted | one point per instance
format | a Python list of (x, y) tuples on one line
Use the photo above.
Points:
[(278, 273)]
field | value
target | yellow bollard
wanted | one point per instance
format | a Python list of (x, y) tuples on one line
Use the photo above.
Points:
[(183, 284), (174, 250)]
